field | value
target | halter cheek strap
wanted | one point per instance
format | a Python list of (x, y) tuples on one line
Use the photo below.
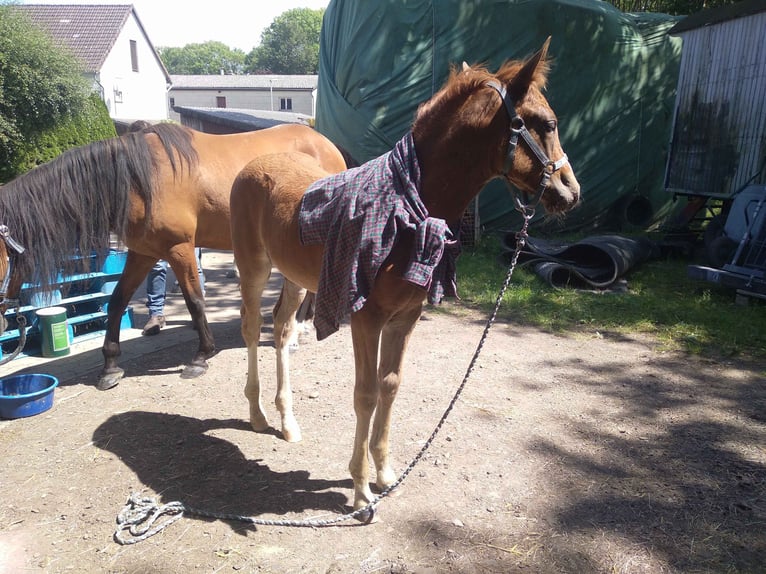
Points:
[(518, 128), (13, 248)]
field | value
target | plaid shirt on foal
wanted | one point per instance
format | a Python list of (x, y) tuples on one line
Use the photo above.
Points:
[(357, 214)]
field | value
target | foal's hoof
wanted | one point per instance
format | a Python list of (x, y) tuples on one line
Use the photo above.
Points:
[(260, 426), (109, 379), (193, 371), (386, 477), (369, 516), (291, 430), (292, 435)]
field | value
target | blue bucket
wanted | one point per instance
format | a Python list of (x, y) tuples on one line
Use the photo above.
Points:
[(26, 395)]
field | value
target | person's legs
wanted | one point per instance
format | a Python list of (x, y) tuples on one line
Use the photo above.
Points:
[(233, 273), (198, 253), (155, 298)]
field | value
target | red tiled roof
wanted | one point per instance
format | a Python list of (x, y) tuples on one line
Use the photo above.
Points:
[(89, 30)]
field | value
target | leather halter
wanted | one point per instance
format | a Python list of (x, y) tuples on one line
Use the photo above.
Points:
[(518, 128), (13, 248)]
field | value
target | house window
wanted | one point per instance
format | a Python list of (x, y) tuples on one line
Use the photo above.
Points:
[(220, 101), (134, 55), (285, 104), (172, 103)]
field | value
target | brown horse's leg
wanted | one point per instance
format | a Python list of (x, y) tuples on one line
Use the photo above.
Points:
[(254, 272), (184, 263), (365, 333), (285, 327), (136, 269), (394, 339)]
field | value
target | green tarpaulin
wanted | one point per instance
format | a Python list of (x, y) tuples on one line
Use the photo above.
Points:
[(612, 86)]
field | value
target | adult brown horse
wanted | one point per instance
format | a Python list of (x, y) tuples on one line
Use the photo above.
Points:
[(162, 191), (465, 135)]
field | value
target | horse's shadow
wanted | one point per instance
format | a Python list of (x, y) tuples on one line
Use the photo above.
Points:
[(175, 457)]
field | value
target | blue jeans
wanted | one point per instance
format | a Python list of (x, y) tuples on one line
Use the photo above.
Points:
[(156, 284)]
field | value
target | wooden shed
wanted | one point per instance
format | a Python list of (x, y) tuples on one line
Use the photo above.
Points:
[(718, 142)]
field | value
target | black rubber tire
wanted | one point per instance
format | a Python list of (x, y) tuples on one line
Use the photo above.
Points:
[(721, 251)]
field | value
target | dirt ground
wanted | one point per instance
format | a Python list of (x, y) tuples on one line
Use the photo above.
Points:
[(564, 454)]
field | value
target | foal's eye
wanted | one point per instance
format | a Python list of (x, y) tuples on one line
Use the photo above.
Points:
[(550, 126)]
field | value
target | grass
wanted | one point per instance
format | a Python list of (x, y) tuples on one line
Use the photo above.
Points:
[(661, 301)]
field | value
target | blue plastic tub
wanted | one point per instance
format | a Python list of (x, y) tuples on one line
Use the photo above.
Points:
[(26, 395)]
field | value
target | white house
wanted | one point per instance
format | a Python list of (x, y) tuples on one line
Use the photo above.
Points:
[(271, 93), (117, 54)]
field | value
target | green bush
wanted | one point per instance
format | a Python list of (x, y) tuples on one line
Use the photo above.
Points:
[(45, 106), (90, 124)]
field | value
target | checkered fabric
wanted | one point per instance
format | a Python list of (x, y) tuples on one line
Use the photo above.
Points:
[(357, 215)]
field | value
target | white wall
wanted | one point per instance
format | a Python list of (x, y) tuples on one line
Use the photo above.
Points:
[(144, 93)]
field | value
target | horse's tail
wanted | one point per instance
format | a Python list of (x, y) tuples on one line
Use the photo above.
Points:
[(347, 157)]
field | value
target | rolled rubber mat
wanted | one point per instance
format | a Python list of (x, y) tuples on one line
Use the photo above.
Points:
[(593, 262)]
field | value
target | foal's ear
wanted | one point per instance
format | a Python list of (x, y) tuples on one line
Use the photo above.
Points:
[(534, 71), (542, 54), (466, 67)]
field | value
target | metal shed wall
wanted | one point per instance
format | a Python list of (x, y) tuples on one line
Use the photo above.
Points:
[(719, 134)]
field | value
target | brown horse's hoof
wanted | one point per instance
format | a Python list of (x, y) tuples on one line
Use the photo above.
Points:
[(109, 379), (193, 371)]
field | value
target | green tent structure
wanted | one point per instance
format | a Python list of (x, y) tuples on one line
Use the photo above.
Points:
[(612, 86)]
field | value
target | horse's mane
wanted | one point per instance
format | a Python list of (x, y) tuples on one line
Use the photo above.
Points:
[(69, 205), (177, 142), (460, 84)]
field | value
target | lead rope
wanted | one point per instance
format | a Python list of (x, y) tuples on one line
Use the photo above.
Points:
[(21, 324), (137, 519)]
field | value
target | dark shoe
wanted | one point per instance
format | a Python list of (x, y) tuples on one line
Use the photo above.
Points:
[(153, 325)]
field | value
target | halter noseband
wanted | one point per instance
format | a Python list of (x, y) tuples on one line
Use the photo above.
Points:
[(519, 129)]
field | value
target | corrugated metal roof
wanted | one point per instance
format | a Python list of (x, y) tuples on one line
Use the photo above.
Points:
[(720, 14), (89, 30), (244, 82)]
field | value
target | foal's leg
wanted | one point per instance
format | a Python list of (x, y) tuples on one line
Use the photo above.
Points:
[(285, 328), (365, 333), (395, 336), (254, 273), (136, 269)]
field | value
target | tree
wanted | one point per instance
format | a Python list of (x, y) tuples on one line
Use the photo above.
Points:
[(290, 45), (674, 7), (206, 58), (40, 84), (90, 124)]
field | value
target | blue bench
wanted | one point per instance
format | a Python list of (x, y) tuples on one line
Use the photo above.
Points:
[(86, 302)]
